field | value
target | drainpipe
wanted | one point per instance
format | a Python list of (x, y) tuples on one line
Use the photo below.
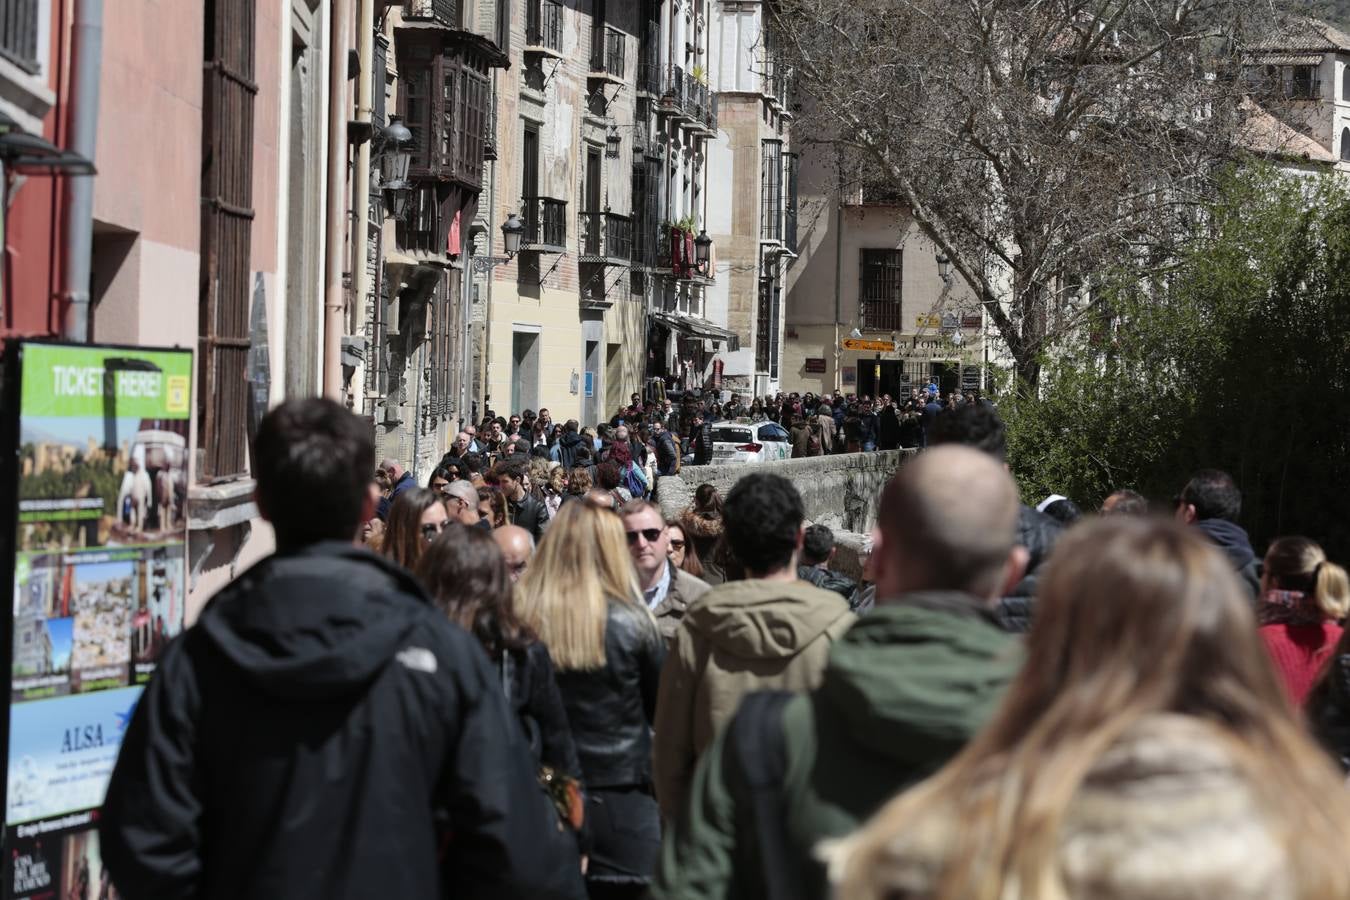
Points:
[(365, 48), (87, 63), (838, 296), (334, 303)]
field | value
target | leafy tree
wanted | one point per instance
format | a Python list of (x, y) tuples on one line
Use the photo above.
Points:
[(1034, 141), (1239, 360)]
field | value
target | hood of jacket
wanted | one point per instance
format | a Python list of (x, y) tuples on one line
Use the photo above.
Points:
[(317, 623), (701, 525), (913, 680), (764, 619), (570, 440), (1232, 540)]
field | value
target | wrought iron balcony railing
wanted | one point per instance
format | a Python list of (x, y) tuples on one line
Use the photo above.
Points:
[(543, 24), (606, 236), (444, 11), (545, 221), (607, 50)]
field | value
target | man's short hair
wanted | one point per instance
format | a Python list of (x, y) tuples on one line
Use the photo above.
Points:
[(514, 469), (638, 506), (571, 425), (474, 462), (972, 425), (1214, 495), (522, 446), (1128, 503), (464, 490), (817, 545), (313, 460), (951, 515), (762, 517)]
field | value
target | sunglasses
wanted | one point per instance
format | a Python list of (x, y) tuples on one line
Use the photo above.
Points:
[(677, 545), (431, 529), (650, 535)]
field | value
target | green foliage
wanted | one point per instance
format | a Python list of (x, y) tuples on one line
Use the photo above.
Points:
[(1239, 360)]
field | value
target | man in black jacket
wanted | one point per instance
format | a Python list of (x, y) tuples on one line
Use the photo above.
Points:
[(323, 730), (978, 426), (523, 509), (1211, 502), (667, 454)]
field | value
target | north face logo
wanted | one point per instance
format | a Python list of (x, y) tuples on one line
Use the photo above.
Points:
[(419, 659)]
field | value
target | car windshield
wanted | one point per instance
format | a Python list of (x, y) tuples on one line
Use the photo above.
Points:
[(731, 435)]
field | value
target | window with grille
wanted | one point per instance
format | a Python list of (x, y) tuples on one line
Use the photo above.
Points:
[(444, 102), (228, 91), (791, 162), (762, 317), (473, 106), (771, 191), (879, 291)]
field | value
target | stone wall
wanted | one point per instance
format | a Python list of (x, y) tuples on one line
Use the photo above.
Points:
[(839, 491)]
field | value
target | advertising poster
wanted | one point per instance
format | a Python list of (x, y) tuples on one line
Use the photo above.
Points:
[(99, 573)]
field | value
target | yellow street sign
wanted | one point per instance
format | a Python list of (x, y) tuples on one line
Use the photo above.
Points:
[(881, 346)]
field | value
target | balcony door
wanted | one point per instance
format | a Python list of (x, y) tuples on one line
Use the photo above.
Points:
[(591, 203)]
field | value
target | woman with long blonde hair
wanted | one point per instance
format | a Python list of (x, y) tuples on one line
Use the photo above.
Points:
[(1147, 750), (580, 596)]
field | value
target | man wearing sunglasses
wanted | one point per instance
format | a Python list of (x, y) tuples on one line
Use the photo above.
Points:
[(461, 502), (667, 590)]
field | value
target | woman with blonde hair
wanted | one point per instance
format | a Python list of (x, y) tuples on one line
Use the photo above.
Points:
[(1304, 598), (1146, 750), (580, 596)]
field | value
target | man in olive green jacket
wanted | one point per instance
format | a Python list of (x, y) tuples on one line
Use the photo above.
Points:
[(770, 632), (901, 694)]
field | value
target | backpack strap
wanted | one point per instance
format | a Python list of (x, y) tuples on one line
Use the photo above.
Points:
[(759, 749)]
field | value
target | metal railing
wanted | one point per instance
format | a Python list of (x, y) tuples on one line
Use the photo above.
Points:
[(710, 115), (648, 76), (545, 221), (606, 235), (543, 24), (446, 11), (607, 50), (19, 33)]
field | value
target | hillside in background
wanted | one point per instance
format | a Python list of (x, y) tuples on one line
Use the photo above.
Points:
[(1337, 12)]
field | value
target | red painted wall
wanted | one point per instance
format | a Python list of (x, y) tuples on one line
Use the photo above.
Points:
[(33, 242)]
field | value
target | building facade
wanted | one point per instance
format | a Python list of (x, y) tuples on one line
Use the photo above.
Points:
[(869, 310)]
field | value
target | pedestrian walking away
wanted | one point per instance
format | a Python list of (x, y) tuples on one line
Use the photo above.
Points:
[(323, 730)]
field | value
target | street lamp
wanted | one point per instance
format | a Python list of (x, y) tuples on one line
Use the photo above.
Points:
[(702, 249), (512, 231), (944, 267), (395, 157)]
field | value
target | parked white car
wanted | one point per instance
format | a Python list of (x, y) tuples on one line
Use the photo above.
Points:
[(737, 442)]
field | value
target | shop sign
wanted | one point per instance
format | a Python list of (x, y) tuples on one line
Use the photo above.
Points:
[(814, 365), (879, 346), (99, 574)]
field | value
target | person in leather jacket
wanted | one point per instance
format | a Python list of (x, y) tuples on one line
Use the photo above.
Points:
[(581, 577), (523, 509)]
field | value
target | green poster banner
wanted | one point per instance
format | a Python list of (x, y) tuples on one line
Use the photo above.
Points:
[(95, 557), (65, 381)]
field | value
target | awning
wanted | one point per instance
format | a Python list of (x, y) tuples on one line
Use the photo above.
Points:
[(699, 327)]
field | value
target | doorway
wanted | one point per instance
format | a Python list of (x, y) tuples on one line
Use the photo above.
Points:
[(947, 376), (524, 370)]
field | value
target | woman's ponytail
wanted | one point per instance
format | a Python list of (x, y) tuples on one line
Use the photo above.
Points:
[(1331, 590)]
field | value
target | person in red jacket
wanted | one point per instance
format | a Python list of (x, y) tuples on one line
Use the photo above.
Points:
[(1304, 598)]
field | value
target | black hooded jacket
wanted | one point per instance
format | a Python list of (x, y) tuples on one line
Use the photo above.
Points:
[(1233, 541), (316, 734)]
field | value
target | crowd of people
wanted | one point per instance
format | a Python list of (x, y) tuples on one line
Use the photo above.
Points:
[(531, 683)]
